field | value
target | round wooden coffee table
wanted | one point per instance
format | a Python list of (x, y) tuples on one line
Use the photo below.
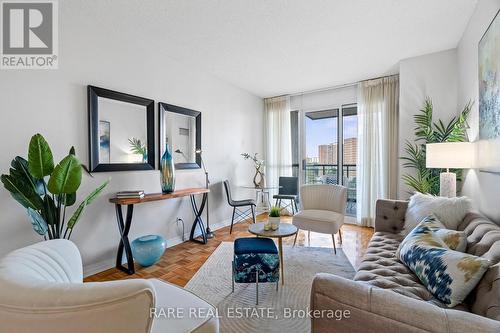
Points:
[(285, 230)]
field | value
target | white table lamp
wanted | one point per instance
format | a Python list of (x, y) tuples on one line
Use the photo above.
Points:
[(449, 155)]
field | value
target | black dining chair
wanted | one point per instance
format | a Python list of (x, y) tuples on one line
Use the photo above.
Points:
[(237, 204), (288, 190)]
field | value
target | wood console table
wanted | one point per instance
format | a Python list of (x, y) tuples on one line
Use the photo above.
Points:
[(124, 226)]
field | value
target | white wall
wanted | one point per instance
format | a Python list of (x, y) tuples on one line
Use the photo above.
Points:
[(94, 49), (432, 75), (481, 187)]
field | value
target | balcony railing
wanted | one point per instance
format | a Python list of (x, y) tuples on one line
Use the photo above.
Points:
[(327, 174)]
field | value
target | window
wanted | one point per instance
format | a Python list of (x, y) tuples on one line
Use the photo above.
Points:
[(324, 160)]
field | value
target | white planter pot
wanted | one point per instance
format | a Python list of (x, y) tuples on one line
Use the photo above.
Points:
[(274, 221)]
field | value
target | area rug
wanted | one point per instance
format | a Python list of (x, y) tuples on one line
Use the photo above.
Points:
[(283, 311)]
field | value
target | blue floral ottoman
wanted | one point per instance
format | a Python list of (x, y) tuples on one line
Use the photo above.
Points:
[(255, 257)]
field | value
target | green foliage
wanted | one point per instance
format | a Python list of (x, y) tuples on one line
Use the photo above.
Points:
[(66, 177), (88, 200), (275, 212), (22, 191), (69, 199), (427, 131), (50, 212), (24, 188), (40, 159), (19, 169), (46, 203), (39, 224)]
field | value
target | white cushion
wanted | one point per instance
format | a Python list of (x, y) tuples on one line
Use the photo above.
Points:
[(450, 211), (191, 313), (323, 221)]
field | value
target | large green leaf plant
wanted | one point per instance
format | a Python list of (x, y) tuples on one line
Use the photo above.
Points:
[(427, 131), (47, 202)]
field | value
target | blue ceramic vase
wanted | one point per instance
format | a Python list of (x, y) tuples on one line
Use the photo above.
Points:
[(147, 250), (167, 172)]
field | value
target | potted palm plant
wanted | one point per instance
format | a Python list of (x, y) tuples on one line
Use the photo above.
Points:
[(422, 179), (47, 191)]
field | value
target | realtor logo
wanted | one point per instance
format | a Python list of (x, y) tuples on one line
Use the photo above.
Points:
[(29, 35)]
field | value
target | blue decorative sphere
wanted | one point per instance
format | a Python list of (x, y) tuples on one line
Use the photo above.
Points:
[(147, 250)]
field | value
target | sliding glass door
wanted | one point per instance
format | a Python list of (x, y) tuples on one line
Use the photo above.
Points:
[(327, 143), (320, 163), (350, 154)]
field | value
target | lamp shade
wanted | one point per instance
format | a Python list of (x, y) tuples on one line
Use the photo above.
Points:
[(450, 155)]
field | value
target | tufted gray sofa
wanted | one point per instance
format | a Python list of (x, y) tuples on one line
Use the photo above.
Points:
[(385, 296)]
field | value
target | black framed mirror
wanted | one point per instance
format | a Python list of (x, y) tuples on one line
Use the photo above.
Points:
[(121, 131), (181, 129)]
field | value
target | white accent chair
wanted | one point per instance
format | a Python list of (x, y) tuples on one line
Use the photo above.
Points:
[(42, 291), (323, 210)]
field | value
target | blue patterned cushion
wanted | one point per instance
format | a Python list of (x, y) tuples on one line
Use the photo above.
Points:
[(254, 245), (330, 180), (449, 275), (251, 254)]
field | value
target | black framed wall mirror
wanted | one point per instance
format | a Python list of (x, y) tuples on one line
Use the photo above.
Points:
[(181, 129), (121, 131)]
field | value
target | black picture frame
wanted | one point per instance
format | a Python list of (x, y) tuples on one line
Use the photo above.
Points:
[(164, 107), (93, 120)]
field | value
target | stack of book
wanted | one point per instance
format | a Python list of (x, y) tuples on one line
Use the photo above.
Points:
[(130, 195)]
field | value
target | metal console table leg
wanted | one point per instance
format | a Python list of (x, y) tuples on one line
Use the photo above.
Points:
[(124, 244), (198, 221), (124, 224)]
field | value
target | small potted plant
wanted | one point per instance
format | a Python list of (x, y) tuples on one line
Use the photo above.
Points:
[(274, 218)]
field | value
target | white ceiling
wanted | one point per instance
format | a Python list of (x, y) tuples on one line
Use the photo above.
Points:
[(284, 46)]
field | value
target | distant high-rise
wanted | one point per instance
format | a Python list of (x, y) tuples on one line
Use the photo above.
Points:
[(328, 153), (350, 151)]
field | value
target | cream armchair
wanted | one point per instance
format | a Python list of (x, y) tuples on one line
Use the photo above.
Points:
[(42, 290), (323, 210)]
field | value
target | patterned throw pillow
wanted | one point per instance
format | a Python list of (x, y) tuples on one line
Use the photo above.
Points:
[(330, 180), (454, 239), (449, 275)]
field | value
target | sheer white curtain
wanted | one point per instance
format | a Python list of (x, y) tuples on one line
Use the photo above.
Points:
[(278, 139), (378, 113)]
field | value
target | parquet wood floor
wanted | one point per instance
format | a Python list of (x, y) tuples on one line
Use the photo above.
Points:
[(181, 262)]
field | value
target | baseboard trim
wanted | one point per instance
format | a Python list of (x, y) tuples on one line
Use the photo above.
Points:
[(109, 263)]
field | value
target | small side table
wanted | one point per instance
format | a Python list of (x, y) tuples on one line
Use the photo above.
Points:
[(265, 201), (124, 226), (285, 230)]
